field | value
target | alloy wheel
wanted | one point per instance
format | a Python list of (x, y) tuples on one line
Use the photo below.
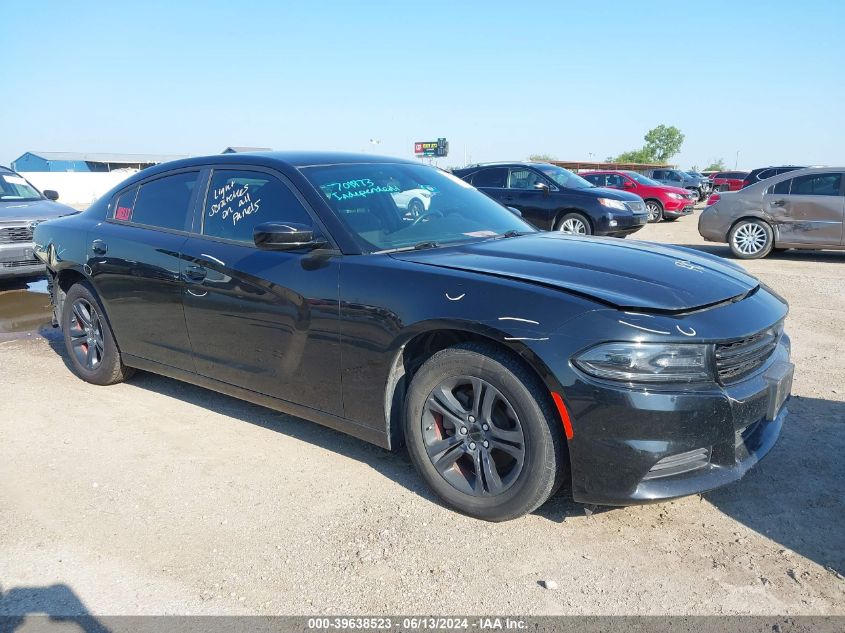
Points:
[(573, 226), (750, 239), (86, 334), (473, 436), (653, 211)]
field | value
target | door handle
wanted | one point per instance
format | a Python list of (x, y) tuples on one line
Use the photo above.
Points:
[(195, 274), (99, 247), (778, 203)]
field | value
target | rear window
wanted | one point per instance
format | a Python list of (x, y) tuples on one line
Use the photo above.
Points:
[(494, 177), (164, 203)]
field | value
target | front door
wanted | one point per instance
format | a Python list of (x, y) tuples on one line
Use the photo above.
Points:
[(134, 261), (262, 320), (808, 209)]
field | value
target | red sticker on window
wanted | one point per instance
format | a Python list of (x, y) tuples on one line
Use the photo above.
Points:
[(123, 213)]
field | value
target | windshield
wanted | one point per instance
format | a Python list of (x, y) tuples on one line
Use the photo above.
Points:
[(564, 177), (390, 206), (642, 179), (14, 187)]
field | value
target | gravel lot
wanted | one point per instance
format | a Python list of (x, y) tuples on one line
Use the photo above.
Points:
[(158, 497)]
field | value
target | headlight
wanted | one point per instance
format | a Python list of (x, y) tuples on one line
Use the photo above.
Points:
[(647, 362), (613, 204), (676, 196)]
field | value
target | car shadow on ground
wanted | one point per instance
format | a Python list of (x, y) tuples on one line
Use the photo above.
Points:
[(796, 495), (395, 465), (55, 603), (795, 255)]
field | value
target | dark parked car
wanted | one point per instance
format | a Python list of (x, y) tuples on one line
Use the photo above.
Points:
[(22, 207), (507, 360), (555, 199), (799, 209), (678, 178), (763, 173)]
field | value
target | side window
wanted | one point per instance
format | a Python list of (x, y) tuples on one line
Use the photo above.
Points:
[(780, 188), (659, 174), (816, 185), (594, 179), (125, 203), (614, 180), (524, 179), (492, 177), (164, 202), (238, 200), (766, 173)]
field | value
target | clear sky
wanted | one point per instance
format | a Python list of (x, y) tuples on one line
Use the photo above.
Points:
[(500, 80)]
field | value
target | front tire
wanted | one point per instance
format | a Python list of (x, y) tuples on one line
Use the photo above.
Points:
[(751, 239), (574, 224), (89, 341), (483, 434), (655, 211)]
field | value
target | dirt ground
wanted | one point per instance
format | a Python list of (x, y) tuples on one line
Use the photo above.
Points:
[(157, 497)]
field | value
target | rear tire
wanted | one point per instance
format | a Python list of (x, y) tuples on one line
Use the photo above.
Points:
[(89, 341), (751, 239), (416, 208), (574, 224), (481, 430)]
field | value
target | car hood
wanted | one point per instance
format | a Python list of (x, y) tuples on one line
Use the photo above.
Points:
[(639, 276), (14, 211), (612, 194)]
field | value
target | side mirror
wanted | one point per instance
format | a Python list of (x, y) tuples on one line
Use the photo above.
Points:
[(515, 211), (629, 184), (278, 236), (50, 194), (542, 187)]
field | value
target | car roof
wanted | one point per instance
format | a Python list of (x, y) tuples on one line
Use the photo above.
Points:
[(796, 172), (295, 159), (527, 163)]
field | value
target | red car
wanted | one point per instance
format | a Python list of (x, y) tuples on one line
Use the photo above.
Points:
[(729, 180), (662, 201)]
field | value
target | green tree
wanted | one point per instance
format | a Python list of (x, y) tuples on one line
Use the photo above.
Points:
[(716, 165), (634, 156), (663, 142), (542, 158)]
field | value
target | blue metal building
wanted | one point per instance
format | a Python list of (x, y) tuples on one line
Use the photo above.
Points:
[(76, 161)]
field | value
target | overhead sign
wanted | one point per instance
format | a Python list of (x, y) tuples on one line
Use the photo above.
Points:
[(438, 148)]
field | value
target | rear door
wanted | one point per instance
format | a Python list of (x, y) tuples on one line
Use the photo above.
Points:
[(134, 262), (493, 181), (536, 204), (808, 209), (262, 320)]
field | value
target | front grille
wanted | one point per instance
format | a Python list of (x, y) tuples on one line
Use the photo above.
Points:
[(737, 359), (12, 234), (636, 207), (680, 463), (20, 263)]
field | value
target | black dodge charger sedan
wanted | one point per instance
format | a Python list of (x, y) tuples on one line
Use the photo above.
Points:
[(555, 199), (507, 360)]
